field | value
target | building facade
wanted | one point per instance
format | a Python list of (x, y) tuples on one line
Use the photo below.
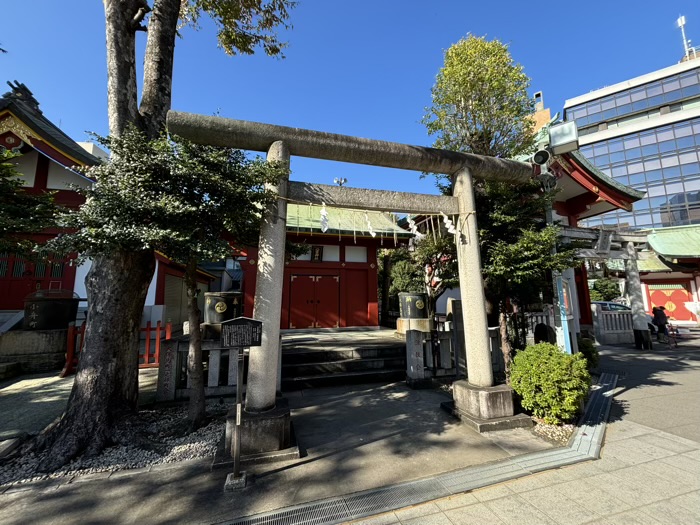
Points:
[(645, 133)]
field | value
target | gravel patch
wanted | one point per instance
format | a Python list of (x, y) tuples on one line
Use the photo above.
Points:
[(148, 438), (557, 434)]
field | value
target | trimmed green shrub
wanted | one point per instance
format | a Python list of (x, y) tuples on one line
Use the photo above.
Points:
[(551, 384), (589, 351)]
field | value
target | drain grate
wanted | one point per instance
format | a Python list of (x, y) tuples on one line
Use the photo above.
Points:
[(318, 513), (394, 497)]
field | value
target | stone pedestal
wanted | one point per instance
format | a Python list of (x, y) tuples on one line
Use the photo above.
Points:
[(261, 432), (486, 408)]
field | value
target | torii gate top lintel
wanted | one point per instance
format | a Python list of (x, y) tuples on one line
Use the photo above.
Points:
[(257, 136)]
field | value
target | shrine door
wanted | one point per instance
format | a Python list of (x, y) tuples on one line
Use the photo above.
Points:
[(314, 301)]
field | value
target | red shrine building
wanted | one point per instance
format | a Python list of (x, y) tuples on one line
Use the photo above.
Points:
[(334, 285), (46, 161)]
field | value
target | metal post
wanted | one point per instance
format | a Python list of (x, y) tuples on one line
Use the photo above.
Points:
[(239, 408)]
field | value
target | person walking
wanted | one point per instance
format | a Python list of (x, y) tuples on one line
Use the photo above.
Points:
[(660, 321)]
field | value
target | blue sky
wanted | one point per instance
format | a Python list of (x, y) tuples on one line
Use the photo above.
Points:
[(360, 68)]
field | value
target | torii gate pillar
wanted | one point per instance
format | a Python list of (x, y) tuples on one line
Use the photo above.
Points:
[(476, 401)]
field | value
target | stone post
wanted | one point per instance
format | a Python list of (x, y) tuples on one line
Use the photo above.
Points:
[(634, 290), (265, 359), (476, 333)]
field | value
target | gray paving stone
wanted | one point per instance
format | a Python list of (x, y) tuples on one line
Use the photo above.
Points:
[(489, 493), (695, 454), (635, 451), (689, 501), (381, 519), (459, 500), (678, 468), (416, 511), (669, 442), (629, 517), (561, 509), (592, 498), (473, 514), (621, 430), (667, 512), (430, 519), (515, 510)]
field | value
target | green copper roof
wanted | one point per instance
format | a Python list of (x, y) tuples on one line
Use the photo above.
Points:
[(678, 242), (307, 217), (647, 262)]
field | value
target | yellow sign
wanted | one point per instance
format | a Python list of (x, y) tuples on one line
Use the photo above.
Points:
[(220, 307)]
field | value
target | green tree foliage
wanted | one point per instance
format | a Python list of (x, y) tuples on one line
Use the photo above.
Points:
[(605, 289), (182, 199), (430, 267), (480, 101), (551, 384), (21, 213), (243, 25), (481, 106), (587, 348)]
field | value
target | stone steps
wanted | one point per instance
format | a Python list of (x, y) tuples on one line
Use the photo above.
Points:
[(309, 366), (9, 370)]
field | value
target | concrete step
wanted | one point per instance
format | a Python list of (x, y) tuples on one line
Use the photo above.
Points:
[(347, 378), (9, 370), (303, 355), (341, 367)]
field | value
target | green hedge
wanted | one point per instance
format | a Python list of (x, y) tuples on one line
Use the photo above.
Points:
[(589, 351), (551, 384)]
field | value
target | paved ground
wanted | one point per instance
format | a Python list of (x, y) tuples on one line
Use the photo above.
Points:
[(362, 437), (649, 471)]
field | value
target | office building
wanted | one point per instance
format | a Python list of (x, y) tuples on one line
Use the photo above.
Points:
[(645, 133)]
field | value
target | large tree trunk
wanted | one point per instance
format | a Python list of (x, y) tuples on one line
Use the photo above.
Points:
[(121, 23), (158, 66), (116, 288), (126, 313), (195, 369), (506, 348)]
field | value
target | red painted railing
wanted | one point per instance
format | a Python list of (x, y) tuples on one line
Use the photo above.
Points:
[(76, 337), (151, 359), (149, 356)]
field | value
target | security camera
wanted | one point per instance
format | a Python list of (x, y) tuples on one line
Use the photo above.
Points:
[(541, 157)]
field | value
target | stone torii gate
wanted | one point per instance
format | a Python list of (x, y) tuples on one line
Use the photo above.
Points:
[(476, 397)]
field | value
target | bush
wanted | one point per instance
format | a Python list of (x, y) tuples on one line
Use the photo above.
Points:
[(589, 351), (552, 384)]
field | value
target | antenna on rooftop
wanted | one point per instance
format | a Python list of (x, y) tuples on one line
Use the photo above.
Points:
[(686, 43)]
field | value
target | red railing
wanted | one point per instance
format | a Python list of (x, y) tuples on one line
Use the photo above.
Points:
[(149, 355), (76, 338), (148, 359)]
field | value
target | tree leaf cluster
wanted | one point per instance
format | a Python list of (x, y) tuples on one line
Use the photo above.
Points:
[(183, 199), (21, 212), (480, 101), (242, 25), (605, 289), (430, 267)]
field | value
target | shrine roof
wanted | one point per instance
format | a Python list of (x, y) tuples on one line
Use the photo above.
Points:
[(20, 103), (677, 242)]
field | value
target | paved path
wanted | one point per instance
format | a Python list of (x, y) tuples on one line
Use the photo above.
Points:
[(649, 471)]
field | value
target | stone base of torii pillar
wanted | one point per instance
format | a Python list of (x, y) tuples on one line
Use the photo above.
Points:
[(485, 408)]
